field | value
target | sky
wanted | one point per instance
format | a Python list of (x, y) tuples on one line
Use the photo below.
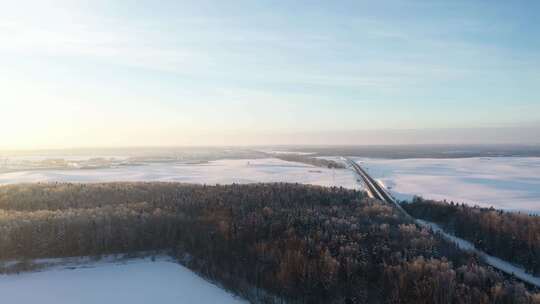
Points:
[(173, 73)]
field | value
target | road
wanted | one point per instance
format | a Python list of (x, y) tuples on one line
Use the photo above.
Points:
[(377, 191)]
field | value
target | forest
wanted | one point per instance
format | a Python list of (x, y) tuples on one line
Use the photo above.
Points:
[(317, 162), (269, 243), (511, 236)]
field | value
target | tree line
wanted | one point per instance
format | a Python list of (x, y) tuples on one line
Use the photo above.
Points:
[(270, 243), (511, 236), (314, 161)]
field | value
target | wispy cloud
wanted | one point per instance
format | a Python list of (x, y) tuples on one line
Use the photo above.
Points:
[(216, 66)]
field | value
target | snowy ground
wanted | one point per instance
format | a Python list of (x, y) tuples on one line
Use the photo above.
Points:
[(135, 281), (505, 182), (215, 172)]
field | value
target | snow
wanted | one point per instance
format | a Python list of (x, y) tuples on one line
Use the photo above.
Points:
[(497, 263), (37, 158), (225, 171), (461, 243), (290, 152), (508, 183), (137, 281)]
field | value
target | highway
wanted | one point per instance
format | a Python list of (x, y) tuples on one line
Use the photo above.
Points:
[(374, 189), (377, 191)]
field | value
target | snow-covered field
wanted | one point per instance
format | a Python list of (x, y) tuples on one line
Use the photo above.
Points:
[(505, 182), (215, 172), (136, 281)]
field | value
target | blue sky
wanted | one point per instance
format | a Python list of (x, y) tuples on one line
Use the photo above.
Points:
[(116, 73)]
